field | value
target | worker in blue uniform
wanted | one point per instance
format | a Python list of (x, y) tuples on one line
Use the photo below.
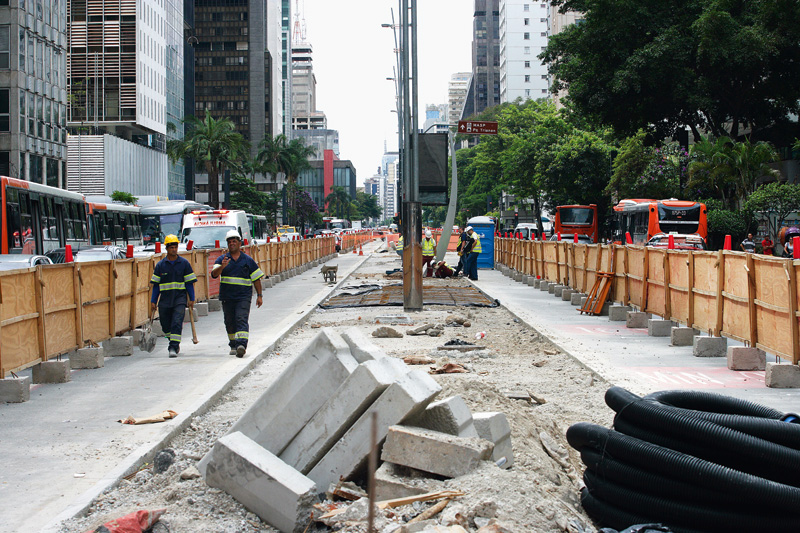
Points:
[(173, 279), (238, 273)]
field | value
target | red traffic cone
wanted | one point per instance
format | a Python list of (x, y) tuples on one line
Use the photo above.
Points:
[(158, 247), (245, 242), (575, 238), (68, 254), (559, 236), (355, 249), (671, 242), (189, 245), (216, 243), (628, 239), (268, 239), (795, 247), (727, 245), (360, 250), (129, 251)]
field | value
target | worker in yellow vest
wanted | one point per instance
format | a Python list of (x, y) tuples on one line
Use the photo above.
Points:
[(398, 247), (473, 251), (428, 251)]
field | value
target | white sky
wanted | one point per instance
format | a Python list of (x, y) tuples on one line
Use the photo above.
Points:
[(353, 56)]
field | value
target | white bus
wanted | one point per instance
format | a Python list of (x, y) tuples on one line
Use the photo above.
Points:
[(160, 219)]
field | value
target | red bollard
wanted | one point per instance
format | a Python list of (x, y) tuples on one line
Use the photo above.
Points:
[(158, 247), (68, 254), (628, 239), (129, 251), (189, 245), (216, 243), (245, 242), (795, 247), (559, 236), (671, 242), (727, 245), (575, 238)]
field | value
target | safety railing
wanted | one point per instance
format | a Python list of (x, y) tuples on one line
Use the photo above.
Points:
[(751, 298), (50, 310)]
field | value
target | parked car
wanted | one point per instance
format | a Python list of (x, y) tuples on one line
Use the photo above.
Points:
[(99, 253), (570, 237), (323, 232), (682, 241), (15, 261)]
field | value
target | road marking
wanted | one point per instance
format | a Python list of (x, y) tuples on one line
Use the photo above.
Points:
[(714, 378)]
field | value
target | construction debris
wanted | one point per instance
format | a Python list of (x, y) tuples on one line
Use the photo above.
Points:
[(387, 333), (449, 368), (418, 360)]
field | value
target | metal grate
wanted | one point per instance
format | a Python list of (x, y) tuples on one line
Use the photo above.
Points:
[(393, 295)]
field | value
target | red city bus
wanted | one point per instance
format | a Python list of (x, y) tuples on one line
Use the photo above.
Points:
[(577, 219), (37, 218), (112, 223), (644, 218)]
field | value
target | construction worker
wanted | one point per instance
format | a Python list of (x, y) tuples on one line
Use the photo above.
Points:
[(238, 275), (173, 279), (428, 251), (473, 250), (443, 270), (462, 240), (399, 247)]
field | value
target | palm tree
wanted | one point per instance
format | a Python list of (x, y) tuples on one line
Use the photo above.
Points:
[(214, 143), (338, 203), (278, 155), (711, 168), (750, 162)]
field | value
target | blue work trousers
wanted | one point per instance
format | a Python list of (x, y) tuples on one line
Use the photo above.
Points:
[(237, 317), (471, 265), (171, 319)]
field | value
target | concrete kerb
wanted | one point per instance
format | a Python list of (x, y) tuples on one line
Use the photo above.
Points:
[(146, 452)]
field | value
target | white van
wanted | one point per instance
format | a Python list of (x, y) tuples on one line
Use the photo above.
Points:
[(206, 228)]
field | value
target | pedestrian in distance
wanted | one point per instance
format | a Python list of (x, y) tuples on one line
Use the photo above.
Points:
[(767, 245), (173, 279), (788, 250), (748, 245), (428, 251), (238, 274)]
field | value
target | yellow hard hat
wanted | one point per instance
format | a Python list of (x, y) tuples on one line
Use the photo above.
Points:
[(170, 239)]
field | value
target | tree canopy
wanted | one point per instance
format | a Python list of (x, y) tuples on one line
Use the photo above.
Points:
[(709, 65)]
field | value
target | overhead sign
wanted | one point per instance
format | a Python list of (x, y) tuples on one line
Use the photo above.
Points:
[(477, 128)]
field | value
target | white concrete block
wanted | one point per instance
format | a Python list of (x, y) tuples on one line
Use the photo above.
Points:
[(435, 452), (746, 358), (495, 428), (201, 308), (782, 376), (451, 415), (637, 319), (361, 347), (293, 398), (566, 294), (618, 313), (552, 287), (214, 305), (89, 357), (51, 372), (118, 346), (344, 407), (544, 285), (265, 485), (710, 346), (659, 328), (15, 390), (557, 290), (682, 336), (404, 398), (576, 298)]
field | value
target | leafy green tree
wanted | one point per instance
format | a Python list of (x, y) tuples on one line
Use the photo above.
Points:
[(710, 171), (213, 143), (245, 196), (338, 203), (367, 206), (750, 162), (709, 65), (121, 196), (278, 155), (773, 203)]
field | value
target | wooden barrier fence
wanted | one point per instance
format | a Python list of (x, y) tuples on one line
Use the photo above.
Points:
[(751, 298), (50, 310)]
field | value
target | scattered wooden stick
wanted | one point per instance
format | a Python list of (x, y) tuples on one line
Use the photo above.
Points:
[(427, 497), (431, 512)]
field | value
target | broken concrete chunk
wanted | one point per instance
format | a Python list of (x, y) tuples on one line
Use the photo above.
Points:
[(361, 347), (450, 415), (387, 333), (555, 450), (393, 482), (293, 398), (420, 330), (276, 492), (435, 452), (494, 427), (344, 407), (406, 397)]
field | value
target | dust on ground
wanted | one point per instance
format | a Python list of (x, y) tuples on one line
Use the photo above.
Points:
[(540, 493)]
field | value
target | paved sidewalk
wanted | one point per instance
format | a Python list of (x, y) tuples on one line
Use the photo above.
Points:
[(64, 447), (629, 357)]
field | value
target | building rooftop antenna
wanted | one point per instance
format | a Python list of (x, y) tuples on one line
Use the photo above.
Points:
[(299, 34)]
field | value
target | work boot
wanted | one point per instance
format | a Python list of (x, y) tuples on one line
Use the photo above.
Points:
[(232, 352), (173, 352), (240, 350)]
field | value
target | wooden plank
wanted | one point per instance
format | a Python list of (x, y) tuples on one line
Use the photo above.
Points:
[(795, 330), (720, 288), (690, 284), (667, 297)]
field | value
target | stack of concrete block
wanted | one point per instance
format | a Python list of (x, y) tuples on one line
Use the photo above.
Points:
[(313, 425)]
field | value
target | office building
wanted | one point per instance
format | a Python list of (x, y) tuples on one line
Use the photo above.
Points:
[(33, 96), (319, 139), (523, 36), (457, 89), (325, 174), (484, 90), (125, 83)]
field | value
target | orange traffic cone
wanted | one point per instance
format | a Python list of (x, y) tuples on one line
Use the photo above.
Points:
[(355, 249), (360, 250)]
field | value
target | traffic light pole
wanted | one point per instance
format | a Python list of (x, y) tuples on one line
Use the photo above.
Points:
[(412, 208)]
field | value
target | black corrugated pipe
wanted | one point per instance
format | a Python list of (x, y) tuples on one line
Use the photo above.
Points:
[(677, 479)]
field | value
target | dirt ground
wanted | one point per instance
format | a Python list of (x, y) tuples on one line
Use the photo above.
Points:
[(540, 493)]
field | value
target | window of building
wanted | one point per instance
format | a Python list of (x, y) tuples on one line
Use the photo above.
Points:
[(527, 64), (527, 50), (527, 92), (527, 78), (526, 36), (544, 76), (5, 46), (21, 49), (544, 91), (543, 20), (526, 21), (543, 34), (526, 7)]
